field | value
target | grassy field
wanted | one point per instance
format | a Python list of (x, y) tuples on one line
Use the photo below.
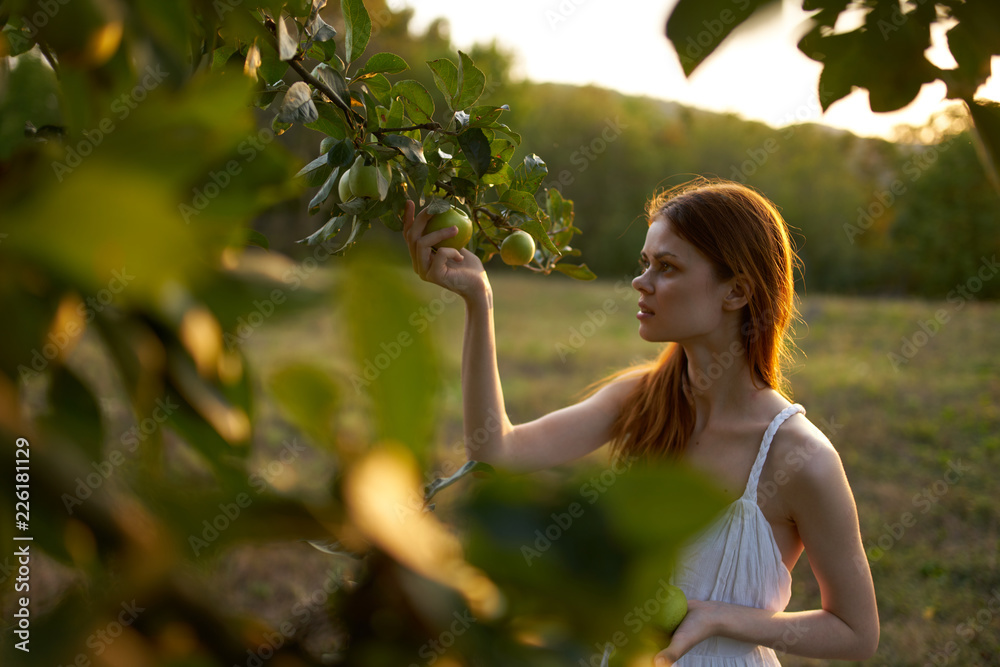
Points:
[(919, 432)]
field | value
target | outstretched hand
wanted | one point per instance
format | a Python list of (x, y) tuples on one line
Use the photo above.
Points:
[(457, 270), (697, 626)]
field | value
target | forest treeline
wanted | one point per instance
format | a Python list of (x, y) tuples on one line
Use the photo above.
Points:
[(916, 217)]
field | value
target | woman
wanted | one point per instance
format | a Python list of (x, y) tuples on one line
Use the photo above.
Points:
[(717, 282)]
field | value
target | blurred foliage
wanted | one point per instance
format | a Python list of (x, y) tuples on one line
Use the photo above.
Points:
[(885, 54), (132, 161)]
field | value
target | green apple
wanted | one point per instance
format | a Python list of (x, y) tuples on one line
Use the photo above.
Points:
[(453, 217), (363, 180), (673, 611), (344, 186), (518, 248)]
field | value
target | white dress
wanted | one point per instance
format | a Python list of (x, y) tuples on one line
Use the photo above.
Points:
[(735, 559)]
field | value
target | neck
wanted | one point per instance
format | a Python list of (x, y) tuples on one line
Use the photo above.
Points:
[(720, 379)]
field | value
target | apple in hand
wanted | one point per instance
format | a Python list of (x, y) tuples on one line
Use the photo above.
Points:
[(671, 613), (453, 217), (518, 248)]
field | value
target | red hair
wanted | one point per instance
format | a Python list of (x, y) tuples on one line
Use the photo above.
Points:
[(742, 234)]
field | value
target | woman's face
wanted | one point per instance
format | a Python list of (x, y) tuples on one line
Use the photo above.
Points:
[(680, 297)]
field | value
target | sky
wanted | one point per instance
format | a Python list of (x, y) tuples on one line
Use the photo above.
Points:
[(758, 72)]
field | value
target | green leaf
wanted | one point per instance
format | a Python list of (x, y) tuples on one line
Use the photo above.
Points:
[(272, 68), (332, 226), (395, 366), (395, 117), (378, 87), (973, 42), (534, 227), (446, 79), (884, 56), (504, 131), (472, 82), (476, 149), (324, 191), (358, 227), (316, 171), (518, 200), (331, 121), (560, 210), (697, 27), (308, 397), (258, 239), (485, 116), (298, 107), (388, 63), (341, 154), (581, 272), (503, 176), (221, 56), (18, 38), (419, 103), (530, 174), (410, 148), (358, 28)]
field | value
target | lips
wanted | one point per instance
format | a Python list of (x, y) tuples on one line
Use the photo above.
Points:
[(643, 308)]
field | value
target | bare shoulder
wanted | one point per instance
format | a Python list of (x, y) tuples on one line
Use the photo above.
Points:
[(804, 455)]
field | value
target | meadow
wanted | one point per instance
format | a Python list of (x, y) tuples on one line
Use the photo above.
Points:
[(907, 390)]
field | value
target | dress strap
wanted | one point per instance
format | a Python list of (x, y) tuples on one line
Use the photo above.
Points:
[(750, 492)]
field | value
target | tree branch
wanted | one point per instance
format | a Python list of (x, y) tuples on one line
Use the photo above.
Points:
[(296, 65), (435, 127)]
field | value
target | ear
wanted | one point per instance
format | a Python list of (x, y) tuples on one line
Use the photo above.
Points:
[(739, 293)]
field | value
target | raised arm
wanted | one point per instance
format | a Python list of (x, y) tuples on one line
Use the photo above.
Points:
[(555, 438)]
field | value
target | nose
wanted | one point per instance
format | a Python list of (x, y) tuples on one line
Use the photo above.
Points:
[(638, 283)]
